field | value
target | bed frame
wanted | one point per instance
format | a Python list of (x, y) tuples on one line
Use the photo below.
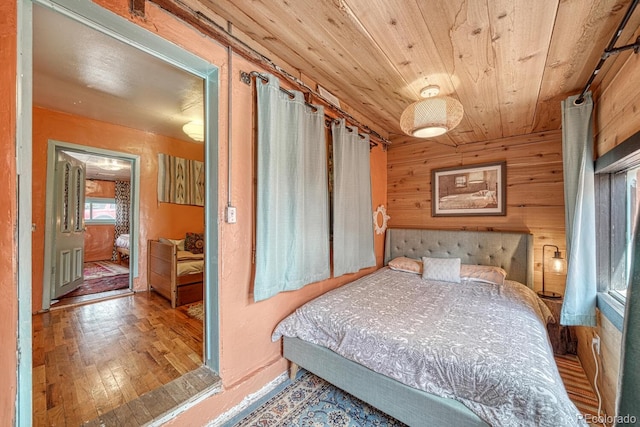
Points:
[(511, 251), (120, 253), (162, 275)]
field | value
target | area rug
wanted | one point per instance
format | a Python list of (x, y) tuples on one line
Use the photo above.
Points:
[(97, 269), (311, 401), (196, 311), (102, 284)]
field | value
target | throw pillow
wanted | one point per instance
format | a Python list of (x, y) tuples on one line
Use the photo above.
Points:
[(408, 265), (194, 243), (441, 269)]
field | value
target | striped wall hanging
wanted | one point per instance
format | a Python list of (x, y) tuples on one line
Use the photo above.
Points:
[(180, 180)]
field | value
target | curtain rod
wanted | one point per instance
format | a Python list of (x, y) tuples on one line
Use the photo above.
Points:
[(327, 123), (314, 108), (610, 50), (291, 94)]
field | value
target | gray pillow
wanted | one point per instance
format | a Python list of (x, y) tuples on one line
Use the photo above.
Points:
[(441, 269)]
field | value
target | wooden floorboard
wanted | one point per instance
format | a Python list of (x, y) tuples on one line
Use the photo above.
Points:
[(103, 360), (578, 386)]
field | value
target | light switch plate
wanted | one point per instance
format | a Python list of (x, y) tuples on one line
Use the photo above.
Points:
[(231, 214)]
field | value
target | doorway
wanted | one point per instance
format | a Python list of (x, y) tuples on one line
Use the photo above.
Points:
[(104, 212), (105, 22)]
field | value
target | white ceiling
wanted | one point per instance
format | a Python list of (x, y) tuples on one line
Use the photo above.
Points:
[(81, 71), (103, 168)]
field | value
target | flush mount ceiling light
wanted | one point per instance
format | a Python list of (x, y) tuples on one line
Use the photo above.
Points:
[(432, 116), (111, 165), (194, 130)]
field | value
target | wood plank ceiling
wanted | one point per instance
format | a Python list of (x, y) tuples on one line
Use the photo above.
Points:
[(509, 62)]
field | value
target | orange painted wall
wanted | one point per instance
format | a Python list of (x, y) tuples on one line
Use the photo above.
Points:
[(99, 238), (249, 359), (99, 188), (8, 211), (98, 242), (156, 219)]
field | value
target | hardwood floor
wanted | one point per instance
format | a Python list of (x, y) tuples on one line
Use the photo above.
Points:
[(88, 299), (90, 359)]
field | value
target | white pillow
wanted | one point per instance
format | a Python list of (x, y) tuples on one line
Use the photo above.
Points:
[(441, 269), (483, 273), (405, 264), (178, 242)]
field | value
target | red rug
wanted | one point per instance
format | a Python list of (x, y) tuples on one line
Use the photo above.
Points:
[(96, 269), (103, 284)]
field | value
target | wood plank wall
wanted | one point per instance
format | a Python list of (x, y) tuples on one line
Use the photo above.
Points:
[(616, 118), (535, 192), (617, 107)]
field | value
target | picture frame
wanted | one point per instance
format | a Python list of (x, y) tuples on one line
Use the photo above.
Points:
[(473, 190)]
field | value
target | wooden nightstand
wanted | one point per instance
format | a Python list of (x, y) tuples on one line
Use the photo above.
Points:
[(563, 338)]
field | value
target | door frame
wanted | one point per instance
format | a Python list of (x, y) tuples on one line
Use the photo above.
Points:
[(105, 21), (53, 147)]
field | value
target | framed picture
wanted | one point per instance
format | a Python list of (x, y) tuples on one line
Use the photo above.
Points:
[(469, 190)]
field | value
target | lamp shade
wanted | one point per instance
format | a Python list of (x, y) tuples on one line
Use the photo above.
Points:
[(556, 267), (432, 116), (194, 130), (557, 264)]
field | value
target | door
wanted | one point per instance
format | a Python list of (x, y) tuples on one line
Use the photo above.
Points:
[(69, 234)]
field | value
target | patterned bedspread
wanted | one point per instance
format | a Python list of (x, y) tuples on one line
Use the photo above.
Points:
[(482, 344)]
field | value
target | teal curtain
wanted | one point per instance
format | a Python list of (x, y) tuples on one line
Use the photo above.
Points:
[(352, 208), (579, 306), (292, 229)]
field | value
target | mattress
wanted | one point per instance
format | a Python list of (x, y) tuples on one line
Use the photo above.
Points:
[(189, 263), (482, 344)]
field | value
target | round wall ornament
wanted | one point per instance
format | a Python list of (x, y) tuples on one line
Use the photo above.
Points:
[(380, 219)]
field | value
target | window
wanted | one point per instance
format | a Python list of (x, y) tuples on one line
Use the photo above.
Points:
[(99, 210), (625, 198), (617, 207), (618, 289)]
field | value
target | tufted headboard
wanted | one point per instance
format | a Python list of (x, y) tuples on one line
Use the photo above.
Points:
[(509, 250)]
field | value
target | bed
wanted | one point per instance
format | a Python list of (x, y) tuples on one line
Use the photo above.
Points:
[(476, 200), (175, 274), (459, 376), (122, 248)]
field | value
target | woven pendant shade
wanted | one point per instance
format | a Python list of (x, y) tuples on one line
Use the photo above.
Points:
[(432, 116)]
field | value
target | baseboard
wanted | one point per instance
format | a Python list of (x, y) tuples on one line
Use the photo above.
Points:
[(249, 400)]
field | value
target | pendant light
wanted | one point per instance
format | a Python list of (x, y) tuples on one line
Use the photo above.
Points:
[(432, 116)]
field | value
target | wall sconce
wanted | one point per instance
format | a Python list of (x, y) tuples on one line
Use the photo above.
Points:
[(556, 266)]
